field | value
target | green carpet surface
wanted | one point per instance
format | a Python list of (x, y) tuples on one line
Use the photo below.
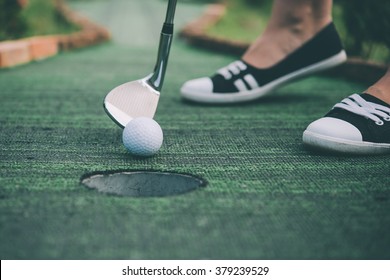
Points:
[(267, 196)]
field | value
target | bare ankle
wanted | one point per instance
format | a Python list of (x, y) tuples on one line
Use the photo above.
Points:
[(292, 23), (276, 43), (381, 89), (379, 93)]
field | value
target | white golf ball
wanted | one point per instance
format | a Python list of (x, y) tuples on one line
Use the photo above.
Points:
[(142, 136)]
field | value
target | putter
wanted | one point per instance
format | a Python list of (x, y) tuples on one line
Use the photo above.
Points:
[(140, 98)]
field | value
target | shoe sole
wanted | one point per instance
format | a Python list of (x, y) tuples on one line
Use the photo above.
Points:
[(332, 144), (253, 94)]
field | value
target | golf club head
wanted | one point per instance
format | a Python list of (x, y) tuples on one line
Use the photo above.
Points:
[(140, 98), (131, 100)]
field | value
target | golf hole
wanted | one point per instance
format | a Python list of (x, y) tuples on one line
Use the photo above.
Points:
[(142, 183)]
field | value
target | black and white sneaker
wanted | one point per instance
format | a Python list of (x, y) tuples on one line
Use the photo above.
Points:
[(359, 124), (240, 82)]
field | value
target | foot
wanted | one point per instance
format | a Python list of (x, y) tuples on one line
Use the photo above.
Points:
[(359, 124), (241, 81)]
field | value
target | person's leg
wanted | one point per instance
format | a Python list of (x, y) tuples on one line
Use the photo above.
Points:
[(359, 124), (300, 39), (381, 89), (291, 24)]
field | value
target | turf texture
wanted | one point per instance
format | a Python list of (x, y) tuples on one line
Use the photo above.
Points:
[(267, 197)]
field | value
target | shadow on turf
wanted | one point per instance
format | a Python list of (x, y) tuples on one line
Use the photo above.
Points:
[(315, 151), (278, 98)]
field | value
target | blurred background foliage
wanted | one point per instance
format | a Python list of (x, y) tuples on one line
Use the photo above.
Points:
[(23, 18), (11, 22), (364, 25), (367, 27)]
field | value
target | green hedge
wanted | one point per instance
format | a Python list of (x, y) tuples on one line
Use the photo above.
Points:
[(367, 23), (12, 24), (39, 17)]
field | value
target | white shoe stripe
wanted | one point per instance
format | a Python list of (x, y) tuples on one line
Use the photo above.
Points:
[(240, 85), (225, 73), (251, 81), (240, 65), (233, 67)]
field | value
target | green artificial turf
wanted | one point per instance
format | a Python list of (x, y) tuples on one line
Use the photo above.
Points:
[(267, 197)]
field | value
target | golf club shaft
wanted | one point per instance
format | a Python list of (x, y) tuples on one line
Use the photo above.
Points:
[(157, 78), (170, 11)]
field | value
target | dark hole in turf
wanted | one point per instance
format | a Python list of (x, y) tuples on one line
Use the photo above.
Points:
[(143, 183)]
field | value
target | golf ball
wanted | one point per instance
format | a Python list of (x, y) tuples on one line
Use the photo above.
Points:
[(142, 136)]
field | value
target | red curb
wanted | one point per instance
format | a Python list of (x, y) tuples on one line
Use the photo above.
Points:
[(212, 14), (42, 47), (195, 32), (13, 53)]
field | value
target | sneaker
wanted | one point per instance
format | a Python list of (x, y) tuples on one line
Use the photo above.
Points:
[(359, 124), (240, 82)]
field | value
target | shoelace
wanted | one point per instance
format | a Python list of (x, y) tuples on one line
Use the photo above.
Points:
[(357, 105), (235, 67)]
